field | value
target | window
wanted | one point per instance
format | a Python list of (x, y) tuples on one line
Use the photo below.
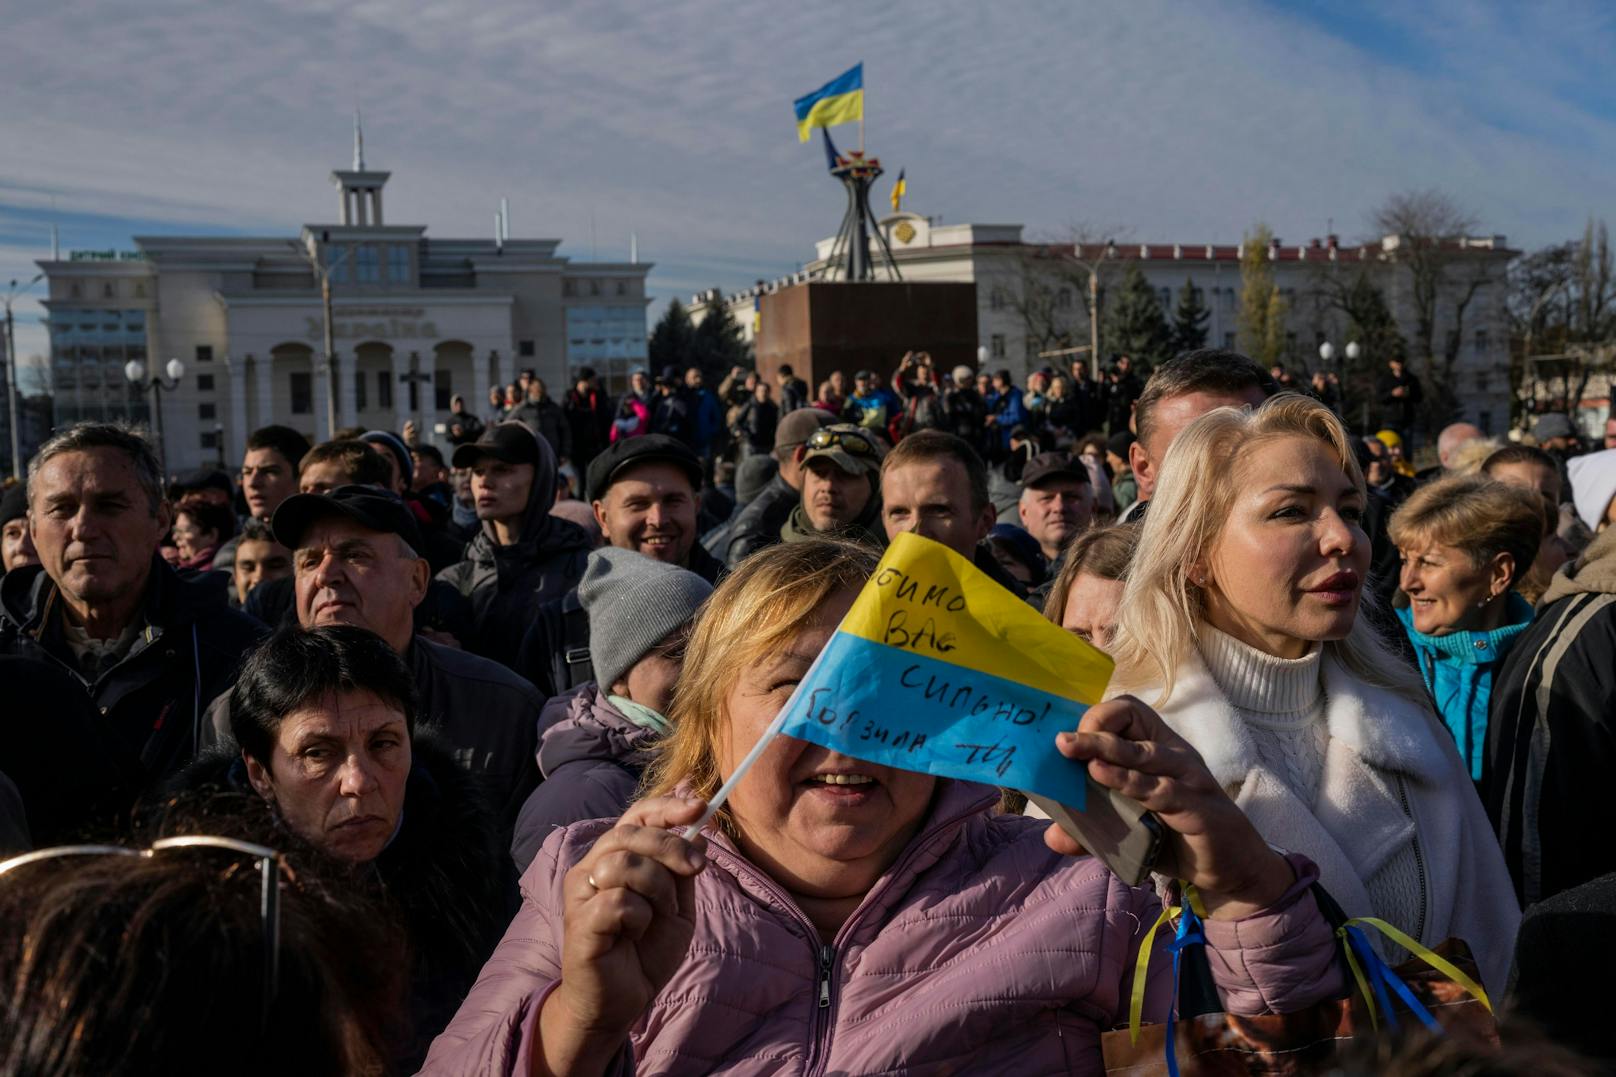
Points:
[(441, 391), (204, 353), (384, 389), (204, 383), (1063, 299), (1484, 381), (996, 346), (368, 269), (594, 287), (524, 348), (302, 393), (1481, 342), (109, 290), (1228, 341), (622, 287), (1166, 296), (359, 390), (569, 287), (207, 411), (336, 262), (996, 299), (398, 264), (1290, 343), (210, 439), (75, 290), (140, 289), (1484, 419)]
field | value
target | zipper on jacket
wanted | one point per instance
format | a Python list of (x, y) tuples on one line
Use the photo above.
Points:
[(1419, 857), (827, 966)]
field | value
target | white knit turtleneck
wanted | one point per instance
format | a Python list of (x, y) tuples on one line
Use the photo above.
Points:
[(1281, 703)]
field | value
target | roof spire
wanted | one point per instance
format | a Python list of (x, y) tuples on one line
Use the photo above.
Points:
[(358, 143)]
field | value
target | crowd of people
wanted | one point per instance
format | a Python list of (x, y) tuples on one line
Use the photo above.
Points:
[(375, 758)]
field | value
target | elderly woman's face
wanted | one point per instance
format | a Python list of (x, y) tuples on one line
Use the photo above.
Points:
[(1447, 591), (337, 771), (822, 824), (1091, 608)]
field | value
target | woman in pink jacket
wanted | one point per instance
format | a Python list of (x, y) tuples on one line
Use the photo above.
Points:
[(846, 917)]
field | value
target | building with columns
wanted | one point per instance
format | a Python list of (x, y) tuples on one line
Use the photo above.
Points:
[(414, 322), (1032, 298)]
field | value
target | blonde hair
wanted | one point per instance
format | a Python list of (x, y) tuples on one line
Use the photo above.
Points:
[(1476, 514), (1161, 612), (1101, 551), (753, 616)]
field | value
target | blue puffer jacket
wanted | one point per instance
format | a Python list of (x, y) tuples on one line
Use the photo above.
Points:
[(1458, 669)]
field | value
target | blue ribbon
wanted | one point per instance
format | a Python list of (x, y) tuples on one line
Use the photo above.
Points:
[(1189, 934), (1381, 976)]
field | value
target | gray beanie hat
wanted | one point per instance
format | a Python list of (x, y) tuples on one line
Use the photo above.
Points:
[(753, 475), (633, 603)]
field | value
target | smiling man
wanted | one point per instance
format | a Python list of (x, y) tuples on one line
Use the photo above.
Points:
[(146, 648), (643, 492)]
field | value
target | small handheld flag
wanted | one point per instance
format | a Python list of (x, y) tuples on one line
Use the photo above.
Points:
[(841, 100), (938, 669), (899, 189)]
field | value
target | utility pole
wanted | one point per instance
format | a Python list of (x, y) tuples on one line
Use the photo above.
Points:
[(322, 272), (11, 373)]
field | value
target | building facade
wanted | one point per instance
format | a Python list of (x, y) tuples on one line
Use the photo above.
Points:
[(415, 321), (1032, 298)]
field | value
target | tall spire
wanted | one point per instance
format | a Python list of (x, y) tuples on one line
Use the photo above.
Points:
[(358, 143)]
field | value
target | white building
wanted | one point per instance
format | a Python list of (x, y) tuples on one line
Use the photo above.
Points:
[(415, 321), (1032, 297)]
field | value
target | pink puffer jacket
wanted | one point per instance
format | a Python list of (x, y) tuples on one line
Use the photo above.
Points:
[(979, 951)]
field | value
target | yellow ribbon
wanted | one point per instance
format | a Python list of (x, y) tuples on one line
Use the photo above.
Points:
[(1436, 961), (1136, 1003)]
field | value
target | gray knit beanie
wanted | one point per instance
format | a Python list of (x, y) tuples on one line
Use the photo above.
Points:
[(633, 603)]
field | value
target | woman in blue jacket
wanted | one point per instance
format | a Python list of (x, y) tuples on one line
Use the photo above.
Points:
[(1465, 544)]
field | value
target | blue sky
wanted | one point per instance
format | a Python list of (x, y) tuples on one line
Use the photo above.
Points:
[(1150, 120)]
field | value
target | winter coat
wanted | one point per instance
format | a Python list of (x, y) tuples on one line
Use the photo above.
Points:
[(967, 412), (14, 837), (633, 418), (978, 951), (591, 758), (545, 418), (145, 714), (1458, 669), (1392, 780), (444, 874), (757, 526), (1567, 944), (1399, 412), (1551, 738), (590, 418), (870, 410), (670, 415), (1120, 396), (756, 423), (1009, 412), (506, 583), (464, 428), (709, 418)]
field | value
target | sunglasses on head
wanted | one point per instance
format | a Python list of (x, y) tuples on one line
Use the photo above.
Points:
[(857, 444), (270, 864)]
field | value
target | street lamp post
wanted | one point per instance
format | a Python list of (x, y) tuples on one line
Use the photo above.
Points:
[(322, 272), (135, 371), (1350, 354), (1093, 268), (11, 373)]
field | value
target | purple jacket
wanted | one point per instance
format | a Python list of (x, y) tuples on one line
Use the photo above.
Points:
[(591, 758), (979, 950)]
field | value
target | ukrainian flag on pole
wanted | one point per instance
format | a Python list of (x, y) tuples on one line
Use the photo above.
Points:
[(841, 100)]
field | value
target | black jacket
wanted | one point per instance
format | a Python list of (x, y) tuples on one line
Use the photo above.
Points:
[(1565, 949), (145, 716), (13, 820), (505, 584), (1399, 412), (546, 419), (445, 875), (554, 654), (1551, 734), (758, 524)]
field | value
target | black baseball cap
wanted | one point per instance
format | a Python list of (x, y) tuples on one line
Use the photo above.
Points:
[(1052, 465), (14, 504), (605, 468), (370, 506), (511, 442)]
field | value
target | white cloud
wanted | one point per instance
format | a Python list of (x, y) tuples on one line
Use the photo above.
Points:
[(1182, 122)]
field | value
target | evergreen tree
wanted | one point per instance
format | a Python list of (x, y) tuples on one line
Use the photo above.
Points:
[(717, 345), (1262, 310), (1135, 324), (673, 340), (1189, 319)]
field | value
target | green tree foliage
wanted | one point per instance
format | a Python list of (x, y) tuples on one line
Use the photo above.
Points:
[(1134, 322), (672, 341), (1189, 319), (1262, 308), (717, 345)]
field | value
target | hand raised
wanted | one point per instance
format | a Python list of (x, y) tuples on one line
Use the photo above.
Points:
[(1212, 844)]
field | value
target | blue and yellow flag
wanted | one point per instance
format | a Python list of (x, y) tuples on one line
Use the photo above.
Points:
[(939, 669), (841, 100), (899, 189)]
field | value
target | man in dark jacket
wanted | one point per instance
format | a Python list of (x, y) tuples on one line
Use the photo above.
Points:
[(758, 524), (643, 492), (545, 418), (1551, 735), (670, 409), (841, 488), (706, 412), (523, 556), (589, 415), (757, 421), (967, 412), (357, 563), (145, 649), (1400, 394), (1123, 388), (596, 740)]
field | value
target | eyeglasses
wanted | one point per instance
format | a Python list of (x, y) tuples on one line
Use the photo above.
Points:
[(269, 899), (857, 444)]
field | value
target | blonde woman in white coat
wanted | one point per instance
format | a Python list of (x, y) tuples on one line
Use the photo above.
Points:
[(1240, 624)]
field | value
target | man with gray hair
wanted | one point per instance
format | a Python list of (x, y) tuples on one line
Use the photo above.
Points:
[(148, 649)]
